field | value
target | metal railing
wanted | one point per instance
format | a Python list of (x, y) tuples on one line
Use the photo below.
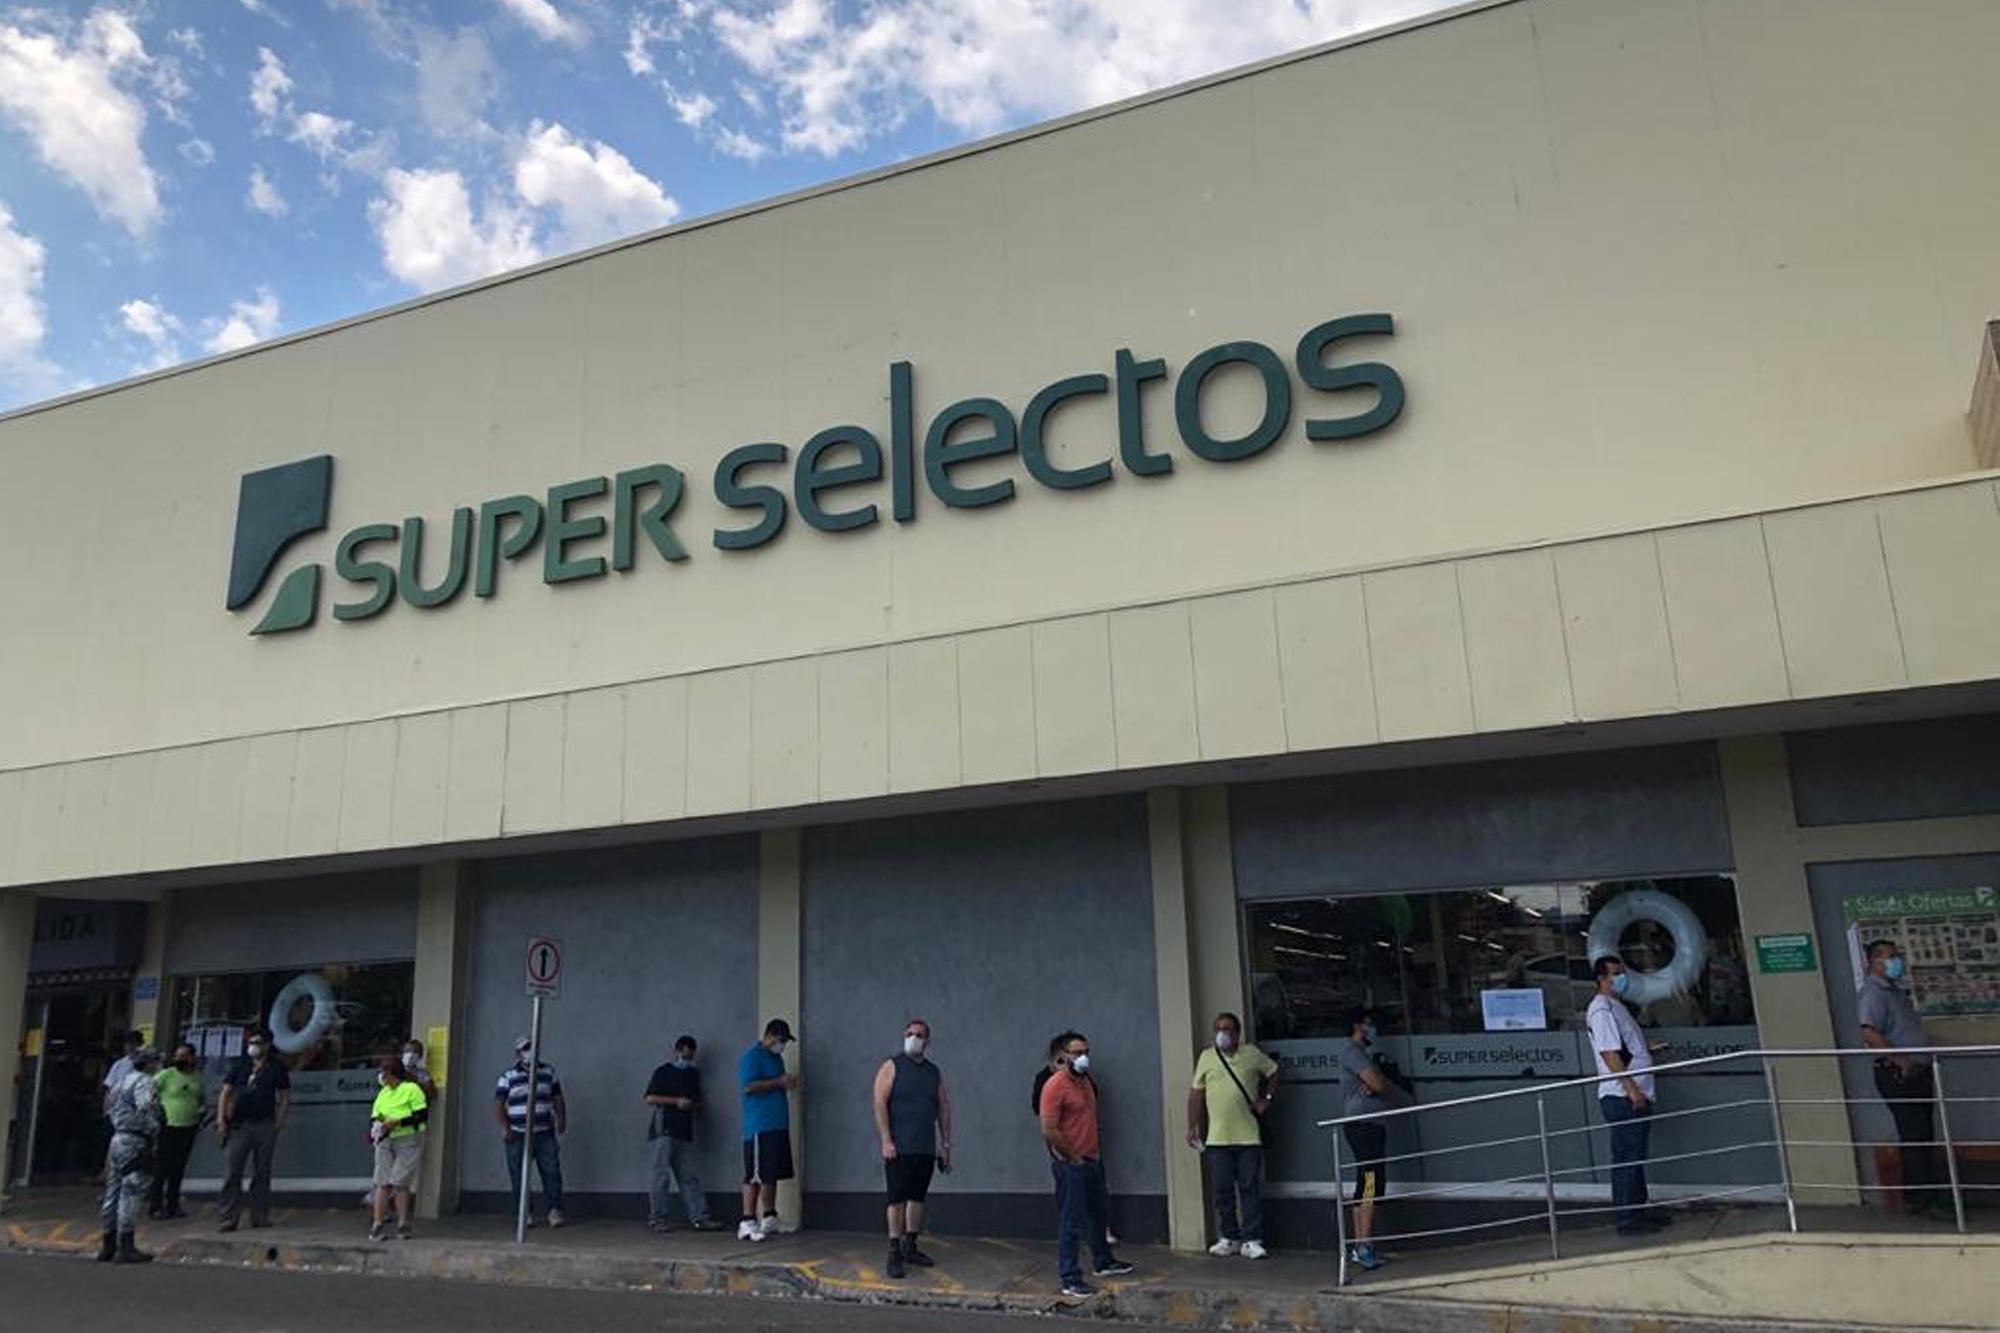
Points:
[(1787, 1186)]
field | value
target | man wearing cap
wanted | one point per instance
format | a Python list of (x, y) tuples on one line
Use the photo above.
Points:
[(510, 1110), (767, 1129), (133, 1111)]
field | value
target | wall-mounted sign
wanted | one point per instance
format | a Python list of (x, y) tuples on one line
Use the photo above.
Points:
[(1950, 939), (1786, 953), (834, 481), (1515, 1010)]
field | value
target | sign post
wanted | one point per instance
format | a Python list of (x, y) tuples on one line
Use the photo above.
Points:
[(544, 978)]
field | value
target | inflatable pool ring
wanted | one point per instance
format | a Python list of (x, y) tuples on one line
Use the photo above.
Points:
[(1690, 942), (305, 986)]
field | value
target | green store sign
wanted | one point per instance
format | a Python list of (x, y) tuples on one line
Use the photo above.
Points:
[(594, 526)]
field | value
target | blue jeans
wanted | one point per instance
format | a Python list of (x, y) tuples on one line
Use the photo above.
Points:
[(1233, 1170), (1631, 1128), (1084, 1206), (673, 1166), (548, 1165)]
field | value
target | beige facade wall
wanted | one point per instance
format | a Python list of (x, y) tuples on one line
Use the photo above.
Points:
[(1652, 262)]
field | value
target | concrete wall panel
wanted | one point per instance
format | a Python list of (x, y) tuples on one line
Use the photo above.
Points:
[(1323, 656), (532, 801), (1723, 617), (367, 785), (718, 746), (423, 771), (1949, 624), (1239, 691), (924, 747), (1514, 648), (656, 759), (854, 724), (1073, 721), (1416, 641), (1621, 654), (996, 706), (593, 765), (1834, 607), (1153, 686)]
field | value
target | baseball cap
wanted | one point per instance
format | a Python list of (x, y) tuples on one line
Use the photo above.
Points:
[(780, 1029)]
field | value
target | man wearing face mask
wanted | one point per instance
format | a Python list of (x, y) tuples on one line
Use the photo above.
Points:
[(1233, 1086), (767, 1129), (256, 1098), (1889, 1023), (182, 1096), (674, 1093), (1624, 1095), (1364, 1090), (134, 1115), (1069, 1126), (510, 1110), (913, 1117)]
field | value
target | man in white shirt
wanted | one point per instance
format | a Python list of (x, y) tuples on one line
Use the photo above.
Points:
[(1624, 1094)]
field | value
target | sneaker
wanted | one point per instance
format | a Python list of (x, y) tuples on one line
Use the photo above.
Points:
[(379, 1231), (747, 1230), (1078, 1290), (894, 1268), (402, 1231), (1253, 1249), (555, 1218), (1367, 1257), (658, 1227), (1116, 1268), (771, 1226), (1222, 1249)]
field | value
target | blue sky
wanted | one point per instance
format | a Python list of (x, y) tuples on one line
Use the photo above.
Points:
[(181, 177)]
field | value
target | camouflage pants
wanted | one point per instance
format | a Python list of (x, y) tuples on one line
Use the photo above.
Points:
[(128, 1176)]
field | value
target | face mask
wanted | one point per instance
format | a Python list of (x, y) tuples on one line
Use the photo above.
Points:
[(1080, 1063), (409, 1059), (913, 1046), (1369, 1034), (184, 1065), (1893, 969), (381, 1079), (256, 1051), (683, 1062), (1224, 1041), (1621, 983)]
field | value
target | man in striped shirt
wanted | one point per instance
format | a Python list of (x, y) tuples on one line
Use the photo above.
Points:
[(510, 1109)]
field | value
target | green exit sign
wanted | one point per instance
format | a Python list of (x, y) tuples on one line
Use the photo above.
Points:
[(1785, 953)]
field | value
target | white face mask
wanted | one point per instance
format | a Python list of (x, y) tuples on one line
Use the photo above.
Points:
[(1225, 1041), (256, 1051), (409, 1059), (1080, 1063), (913, 1045)]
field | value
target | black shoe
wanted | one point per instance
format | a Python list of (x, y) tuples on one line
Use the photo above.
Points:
[(895, 1266), (128, 1252), (1116, 1268), (1078, 1290), (176, 1213), (913, 1255), (227, 1227), (108, 1251)]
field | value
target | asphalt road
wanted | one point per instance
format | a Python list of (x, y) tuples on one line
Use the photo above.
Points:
[(57, 1295)]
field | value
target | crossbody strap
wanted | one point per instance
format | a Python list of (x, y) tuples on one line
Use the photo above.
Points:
[(1223, 1060)]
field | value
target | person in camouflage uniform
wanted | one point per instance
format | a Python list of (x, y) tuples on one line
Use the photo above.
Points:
[(134, 1113)]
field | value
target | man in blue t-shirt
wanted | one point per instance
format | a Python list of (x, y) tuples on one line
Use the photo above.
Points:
[(767, 1129)]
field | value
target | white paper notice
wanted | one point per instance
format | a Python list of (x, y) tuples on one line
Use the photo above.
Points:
[(1513, 1010), (232, 1043)]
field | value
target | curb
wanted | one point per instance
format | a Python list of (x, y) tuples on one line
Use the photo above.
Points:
[(1167, 1307)]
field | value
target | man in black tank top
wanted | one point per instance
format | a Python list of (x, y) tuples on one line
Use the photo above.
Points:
[(913, 1116)]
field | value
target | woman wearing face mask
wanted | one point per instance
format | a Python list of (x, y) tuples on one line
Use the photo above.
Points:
[(396, 1126), (183, 1097)]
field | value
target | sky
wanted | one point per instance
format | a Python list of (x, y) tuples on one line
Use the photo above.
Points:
[(180, 178)]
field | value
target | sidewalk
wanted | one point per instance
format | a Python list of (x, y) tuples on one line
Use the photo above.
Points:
[(1285, 1292)]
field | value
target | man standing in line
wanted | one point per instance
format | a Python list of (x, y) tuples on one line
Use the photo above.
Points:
[(913, 1116), (1624, 1095), (1233, 1087), (674, 1093), (1069, 1126), (134, 1114), (767, 1129), (115, 1076), (183, 1097), (256, 1098), (1889, 1023), (1364, 1089), (510, 1109)]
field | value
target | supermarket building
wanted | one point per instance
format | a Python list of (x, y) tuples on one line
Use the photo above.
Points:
[(1323, 534)]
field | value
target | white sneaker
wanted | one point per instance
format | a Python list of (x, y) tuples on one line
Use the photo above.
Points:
[(1253, 1249), (555, 1217), (1222, 1249), (769, 1225), (747, 1230)]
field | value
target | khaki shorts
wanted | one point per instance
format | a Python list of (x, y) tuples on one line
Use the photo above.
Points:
[(399, 1161)]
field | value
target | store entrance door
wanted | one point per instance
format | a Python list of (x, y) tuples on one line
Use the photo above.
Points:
[(73, 1039)]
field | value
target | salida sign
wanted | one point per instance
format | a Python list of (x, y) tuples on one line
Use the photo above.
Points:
[(833, 482)]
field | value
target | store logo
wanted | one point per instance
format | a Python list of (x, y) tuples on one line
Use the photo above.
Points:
[(1437, 1057), (845, 478)]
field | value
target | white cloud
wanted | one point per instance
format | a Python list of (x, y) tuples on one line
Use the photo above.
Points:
[(431, 237), (320, 133), (693, 109), (264, 196), (838, 80), (268, 85), (735, 143), (23, 315), (61, 86), (263, 10), (188, 40), (249, 322), (456, 80), (199, 152), (593, 188), (545, 20), (158, 328)]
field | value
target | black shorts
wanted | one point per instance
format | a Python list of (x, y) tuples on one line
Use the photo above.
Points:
[(767, 1158), (1369, 1143), (909, 1176)]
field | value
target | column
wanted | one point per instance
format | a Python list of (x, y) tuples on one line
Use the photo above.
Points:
[(437, 1018), (1792, 1009), (780, 929), (17, 936), (152, 970)]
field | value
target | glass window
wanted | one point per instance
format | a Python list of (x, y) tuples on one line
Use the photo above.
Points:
[(370, 1013)]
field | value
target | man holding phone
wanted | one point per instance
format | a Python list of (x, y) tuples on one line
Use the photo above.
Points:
[(913, 1116)]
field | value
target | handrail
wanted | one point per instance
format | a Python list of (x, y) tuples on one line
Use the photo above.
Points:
[(1749, 1053)]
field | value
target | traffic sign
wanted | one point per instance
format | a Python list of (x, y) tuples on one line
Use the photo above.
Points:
[(544, 967)]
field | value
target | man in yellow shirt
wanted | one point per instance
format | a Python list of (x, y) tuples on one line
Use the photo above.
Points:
[(1234, 1083), (397, 1126)]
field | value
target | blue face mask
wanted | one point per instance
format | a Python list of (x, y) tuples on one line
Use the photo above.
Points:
[(1369, 1034), (682, 1062), (1621, 983), (1893, 969)]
